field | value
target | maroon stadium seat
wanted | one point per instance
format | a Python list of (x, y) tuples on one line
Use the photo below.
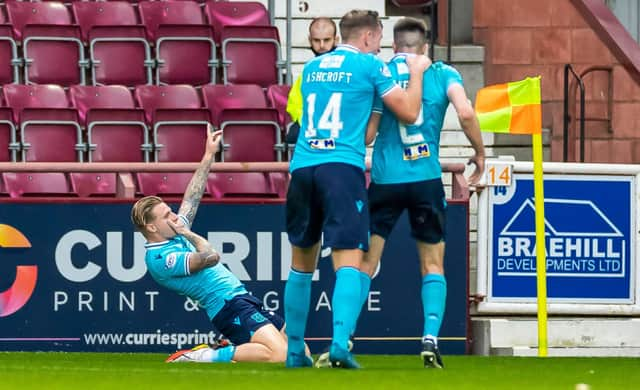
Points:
[(251, 55), (179, 124), (167, 184), (36, 184), (93, 184), (180, 31), (118, 49), (52, 49), (280, 183), (3, 190), (116, 130), (219, 97), (278, 95), (19, 97), (85, 98), (108, 13), (49, 129), (117, 135), (241, 184), (9, 60), (251, 134), (152, 98), (232, 13)]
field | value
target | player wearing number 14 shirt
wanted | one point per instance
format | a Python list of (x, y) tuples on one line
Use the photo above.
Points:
[(327, 193)]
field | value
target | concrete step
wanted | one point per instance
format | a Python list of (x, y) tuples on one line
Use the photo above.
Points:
[(567, 336), (460, 53)]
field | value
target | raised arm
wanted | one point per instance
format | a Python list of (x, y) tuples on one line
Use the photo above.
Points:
[(195, 189), (470, 126)]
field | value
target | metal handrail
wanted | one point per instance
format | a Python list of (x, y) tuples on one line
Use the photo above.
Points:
[(567, 118), (126, 187)]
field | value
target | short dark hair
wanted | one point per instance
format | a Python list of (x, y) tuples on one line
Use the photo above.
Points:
[(417, 29), (356, 20), (323, 19)]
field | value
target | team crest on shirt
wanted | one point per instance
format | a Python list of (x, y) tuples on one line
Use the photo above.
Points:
[(170, 261)]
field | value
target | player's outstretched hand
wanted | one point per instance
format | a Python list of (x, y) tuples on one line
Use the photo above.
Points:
[(213, 140), (418, 63)]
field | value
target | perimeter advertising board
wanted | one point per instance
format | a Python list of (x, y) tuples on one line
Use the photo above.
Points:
[(73, 278)]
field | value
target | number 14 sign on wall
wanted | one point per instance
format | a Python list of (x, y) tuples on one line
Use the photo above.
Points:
[(498, 174)]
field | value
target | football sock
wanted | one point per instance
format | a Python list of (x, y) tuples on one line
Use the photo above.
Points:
[(346, 304), (365, 285), (297, 295), (434, 296), (220, 355)]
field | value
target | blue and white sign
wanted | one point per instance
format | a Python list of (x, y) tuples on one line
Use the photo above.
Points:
[(589, 239)]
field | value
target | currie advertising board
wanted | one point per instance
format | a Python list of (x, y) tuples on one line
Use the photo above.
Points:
[(73, 278)]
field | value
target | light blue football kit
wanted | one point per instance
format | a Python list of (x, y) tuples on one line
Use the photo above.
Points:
[(168, 264), (229, 306), (338, 89), (327, 191), (408, 153), (406, 174)]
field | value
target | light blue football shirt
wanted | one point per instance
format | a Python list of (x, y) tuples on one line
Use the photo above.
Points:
[(410, 153), (338, 89), (168, 264)]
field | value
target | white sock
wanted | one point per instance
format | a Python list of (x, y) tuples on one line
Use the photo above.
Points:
[(433, 339), (203, 355)]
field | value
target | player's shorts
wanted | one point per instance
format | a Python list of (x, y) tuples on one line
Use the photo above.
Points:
[(425, 201), (242, 316), (331, 199)]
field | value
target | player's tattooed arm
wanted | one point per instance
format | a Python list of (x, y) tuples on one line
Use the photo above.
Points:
[(205, 256), (195, 189)]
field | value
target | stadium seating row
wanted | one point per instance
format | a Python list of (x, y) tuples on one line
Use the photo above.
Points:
[(115, 43), (157, 123), (271, 185)]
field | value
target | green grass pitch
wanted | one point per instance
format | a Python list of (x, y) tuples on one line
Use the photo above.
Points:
[(92, 371)]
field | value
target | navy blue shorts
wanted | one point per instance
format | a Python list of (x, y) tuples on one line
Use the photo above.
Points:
[(425, 201), (242, 316), (331, 199)]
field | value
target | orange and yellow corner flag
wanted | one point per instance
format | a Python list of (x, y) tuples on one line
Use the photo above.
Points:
[(510, 108)]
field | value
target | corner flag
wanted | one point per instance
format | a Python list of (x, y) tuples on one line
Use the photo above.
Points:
[(514, 108), (510, 108)]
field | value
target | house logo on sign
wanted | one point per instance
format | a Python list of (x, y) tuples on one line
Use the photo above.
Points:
[(580, 241)]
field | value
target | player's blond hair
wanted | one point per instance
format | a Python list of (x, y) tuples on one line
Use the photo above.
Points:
[(141, 213)]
